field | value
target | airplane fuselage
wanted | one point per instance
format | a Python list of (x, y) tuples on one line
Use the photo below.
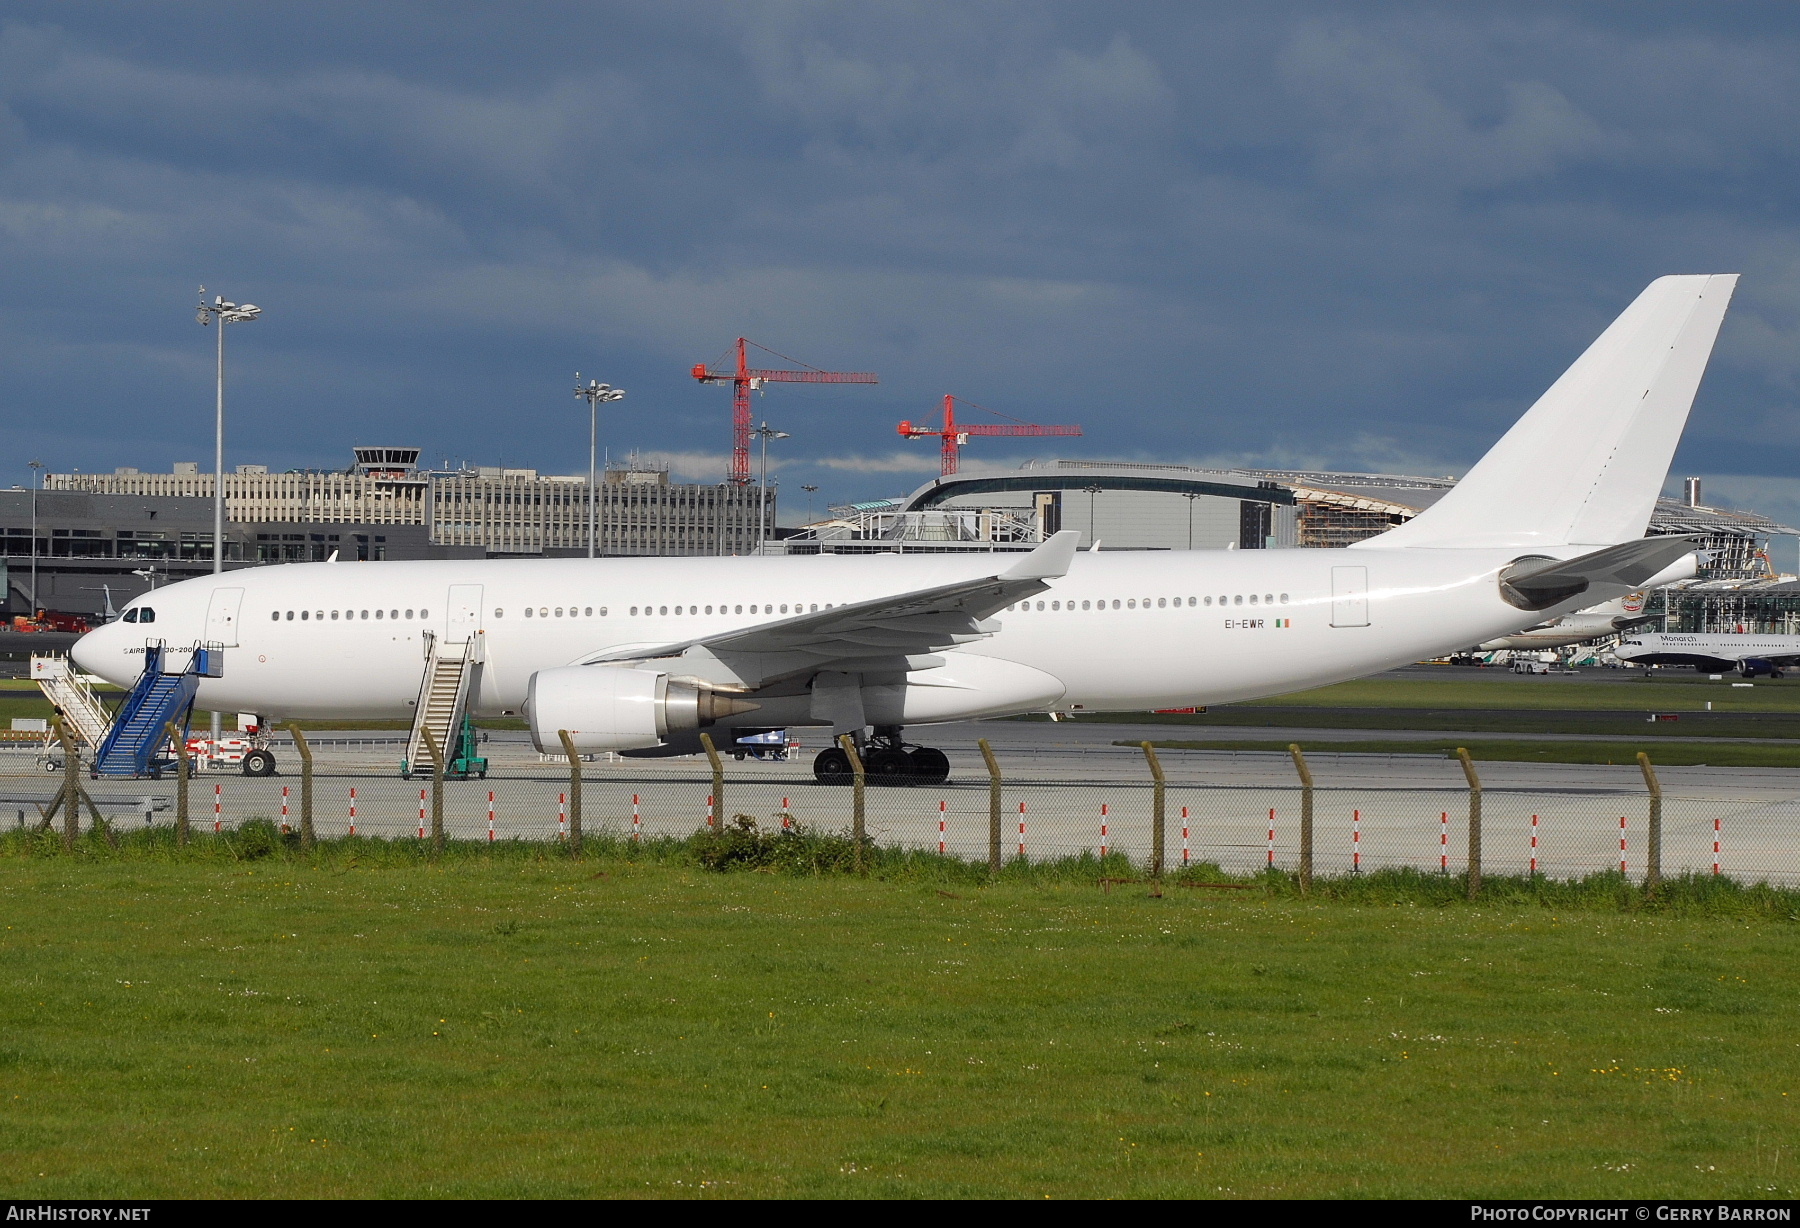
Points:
[(1121, 631)]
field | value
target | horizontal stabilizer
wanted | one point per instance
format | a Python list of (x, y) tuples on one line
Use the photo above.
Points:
[(1538, 584), (1585, 464)]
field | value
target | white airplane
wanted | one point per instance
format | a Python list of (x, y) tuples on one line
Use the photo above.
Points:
[(1607, 618), (1750, 655), (641, 654)]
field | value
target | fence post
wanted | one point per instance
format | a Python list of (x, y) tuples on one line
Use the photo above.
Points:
[(574, 791), (1468, 767), (181, 784), (1306, 817), (859, 830), (437, 789), (1156, 811), (71, 795), (306, 785), (993, 767), (1653, 858), (718, 779)]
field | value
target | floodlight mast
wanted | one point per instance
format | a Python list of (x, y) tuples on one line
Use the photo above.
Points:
[(764, 432), (594, 392), (226, 313)]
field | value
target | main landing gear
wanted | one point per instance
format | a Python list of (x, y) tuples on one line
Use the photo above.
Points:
[(886, 761)]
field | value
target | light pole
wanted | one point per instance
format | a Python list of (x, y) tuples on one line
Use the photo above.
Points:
[(765, 432), (36, 476), (594, 392), (1190, 496), (226, 313), (1091, 492), (809, 494)]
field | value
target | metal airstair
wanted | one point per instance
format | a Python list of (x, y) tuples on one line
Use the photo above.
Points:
[(443, 708), (74, 700), (157, 698)]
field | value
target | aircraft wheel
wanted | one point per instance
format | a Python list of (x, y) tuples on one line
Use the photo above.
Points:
[(930, 765), (832, 767), (889, 766), (259, 763)]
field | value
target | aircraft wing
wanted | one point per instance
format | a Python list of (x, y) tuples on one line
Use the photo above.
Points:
[(891, 633)]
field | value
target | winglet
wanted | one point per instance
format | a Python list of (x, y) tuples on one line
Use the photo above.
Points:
[(1049, 561)]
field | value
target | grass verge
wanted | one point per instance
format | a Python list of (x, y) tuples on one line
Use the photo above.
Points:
[(238, 1018)]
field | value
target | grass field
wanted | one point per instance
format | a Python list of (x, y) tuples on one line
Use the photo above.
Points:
[(515, 1024), (1505, 750)]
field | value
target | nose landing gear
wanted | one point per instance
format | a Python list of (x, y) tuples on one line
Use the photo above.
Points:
[(887, 760)]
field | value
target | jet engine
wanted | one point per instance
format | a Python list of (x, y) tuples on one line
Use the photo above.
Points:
[(612, 708)]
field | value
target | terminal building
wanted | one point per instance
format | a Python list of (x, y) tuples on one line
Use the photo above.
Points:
[(114, 535)]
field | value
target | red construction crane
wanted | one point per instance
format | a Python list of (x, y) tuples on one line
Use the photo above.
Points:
[(955, 435), (747, 378)]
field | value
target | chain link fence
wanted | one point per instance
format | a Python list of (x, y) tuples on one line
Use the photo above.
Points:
[(1043, 815)]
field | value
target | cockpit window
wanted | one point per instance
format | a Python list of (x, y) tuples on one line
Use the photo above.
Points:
[(139, 614), (131, 615)]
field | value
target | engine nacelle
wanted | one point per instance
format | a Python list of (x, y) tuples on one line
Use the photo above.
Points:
[(611, 708)]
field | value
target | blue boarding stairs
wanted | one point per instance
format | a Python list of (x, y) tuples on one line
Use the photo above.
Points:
[(139, 731)]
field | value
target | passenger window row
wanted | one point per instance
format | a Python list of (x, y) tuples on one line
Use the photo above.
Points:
[(1160, 603), (664, 611), (347, 615)]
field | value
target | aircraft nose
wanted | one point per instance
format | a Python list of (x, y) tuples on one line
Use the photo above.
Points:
[(102, 651)]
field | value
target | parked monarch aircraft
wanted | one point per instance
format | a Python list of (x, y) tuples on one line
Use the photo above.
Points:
[(1749, 655), (1607, 618), (641, 654)]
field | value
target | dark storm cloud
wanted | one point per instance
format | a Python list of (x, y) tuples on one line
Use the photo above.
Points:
[(1354, 237)]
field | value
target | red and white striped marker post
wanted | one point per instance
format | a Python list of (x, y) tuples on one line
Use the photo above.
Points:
[(421, 814), (1356, 842), (1271, 837), (353, 810), (709, 811), (637, 824), (490, 816), (218, 808), (284, 801), (1621, 844), (943, 807), (1534, 821), (787, 817), (1715, 844), (1021, 829), (1102, 831), (1444, 843), (562, 816), (1184, 835)]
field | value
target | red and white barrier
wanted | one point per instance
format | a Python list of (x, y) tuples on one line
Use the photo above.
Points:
[(1356, 842), (490, 816), (421, 814), (562, 815), (1534, 846), (637, 825), (1271, 837), (1103, 831), (1621, 844), (353, 810), (943, 808), (709, 812), (1715, 844), (1021, 829), (1444, 843), (1184, 835), (284, 805), (218, 808), (787, 817)]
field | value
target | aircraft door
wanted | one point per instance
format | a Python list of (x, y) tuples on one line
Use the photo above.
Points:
[(222, 617), (1349, 596), (462, 612)]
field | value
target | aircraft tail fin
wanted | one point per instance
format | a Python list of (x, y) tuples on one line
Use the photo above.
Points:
[(1585, 464)]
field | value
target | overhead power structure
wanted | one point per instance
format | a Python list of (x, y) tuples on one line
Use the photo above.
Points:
[(954, 435), (745, 379)]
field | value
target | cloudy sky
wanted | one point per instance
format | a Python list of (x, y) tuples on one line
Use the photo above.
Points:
[(1281, 234)]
